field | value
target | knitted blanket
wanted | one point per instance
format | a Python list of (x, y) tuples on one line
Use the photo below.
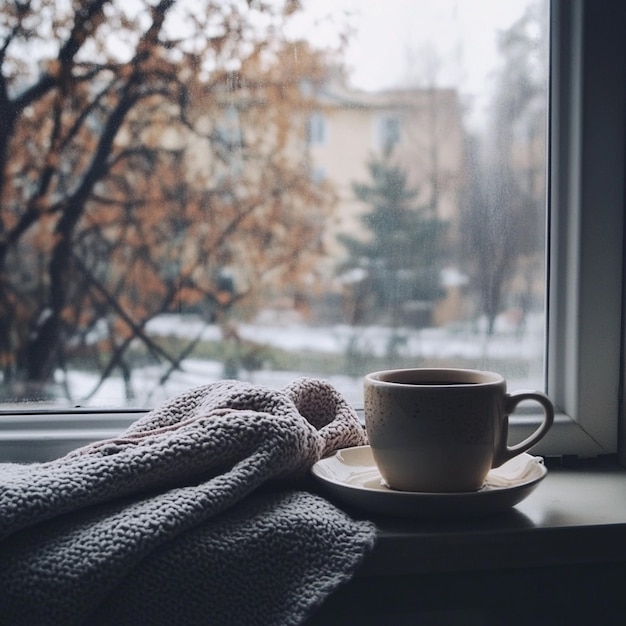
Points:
[(191, 516)]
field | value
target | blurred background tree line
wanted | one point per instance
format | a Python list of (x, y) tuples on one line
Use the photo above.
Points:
[(151, 161)]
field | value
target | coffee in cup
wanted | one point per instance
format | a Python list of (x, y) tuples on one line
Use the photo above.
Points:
[(442, 430)]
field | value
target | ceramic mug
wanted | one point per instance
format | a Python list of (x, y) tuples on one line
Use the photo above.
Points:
[(442, 430)]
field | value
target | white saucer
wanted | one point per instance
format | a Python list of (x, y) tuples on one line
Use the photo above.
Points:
[(352, 476)]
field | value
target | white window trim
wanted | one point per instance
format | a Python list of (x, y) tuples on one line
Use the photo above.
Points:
[(585, 278), (584, 347)]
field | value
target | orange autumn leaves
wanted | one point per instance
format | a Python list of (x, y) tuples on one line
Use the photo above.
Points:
[(137, 167)]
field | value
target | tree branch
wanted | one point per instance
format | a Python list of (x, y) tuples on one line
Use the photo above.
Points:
[(136, 329)]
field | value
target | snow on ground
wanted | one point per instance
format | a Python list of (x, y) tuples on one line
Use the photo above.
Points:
[(461, 343), (427, 342)]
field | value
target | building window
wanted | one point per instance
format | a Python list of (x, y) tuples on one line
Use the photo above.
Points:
[(316, 129), (388, 132), (318, 174)]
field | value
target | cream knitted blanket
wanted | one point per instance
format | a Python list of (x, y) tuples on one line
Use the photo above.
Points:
[(191, 516)]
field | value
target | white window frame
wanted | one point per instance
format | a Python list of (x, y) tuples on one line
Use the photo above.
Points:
[(586, 227), (584, 371)]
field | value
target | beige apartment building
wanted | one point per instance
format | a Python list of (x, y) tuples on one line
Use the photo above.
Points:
[(421, 129)]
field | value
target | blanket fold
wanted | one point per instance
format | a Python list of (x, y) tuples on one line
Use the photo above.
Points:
[(177, 520)]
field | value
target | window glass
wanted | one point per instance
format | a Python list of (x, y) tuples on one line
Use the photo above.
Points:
[(195, 190)]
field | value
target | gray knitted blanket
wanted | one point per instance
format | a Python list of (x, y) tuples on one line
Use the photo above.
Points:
[(191, 516)]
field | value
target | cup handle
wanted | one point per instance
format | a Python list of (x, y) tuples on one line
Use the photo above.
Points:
[(511, 400)]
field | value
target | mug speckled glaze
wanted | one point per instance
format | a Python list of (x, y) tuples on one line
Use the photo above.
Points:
[(442, 430)]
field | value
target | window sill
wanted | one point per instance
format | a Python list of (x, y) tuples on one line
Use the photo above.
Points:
[(559, 557), (575, 516), (40, 435)]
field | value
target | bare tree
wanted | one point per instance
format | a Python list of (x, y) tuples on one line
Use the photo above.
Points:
[(145, 151), (505, 199)]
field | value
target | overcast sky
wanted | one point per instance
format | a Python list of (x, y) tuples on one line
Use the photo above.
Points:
[(399, 42), (387, 31)]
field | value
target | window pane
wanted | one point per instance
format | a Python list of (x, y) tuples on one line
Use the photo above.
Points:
[(268, 190)]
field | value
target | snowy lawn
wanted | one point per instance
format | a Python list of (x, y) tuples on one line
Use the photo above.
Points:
[(461, 347)]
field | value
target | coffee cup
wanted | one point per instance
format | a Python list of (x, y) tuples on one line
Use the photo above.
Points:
[(442, 430)]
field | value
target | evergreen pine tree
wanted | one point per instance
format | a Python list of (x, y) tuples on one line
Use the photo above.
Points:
[(401, 257)]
